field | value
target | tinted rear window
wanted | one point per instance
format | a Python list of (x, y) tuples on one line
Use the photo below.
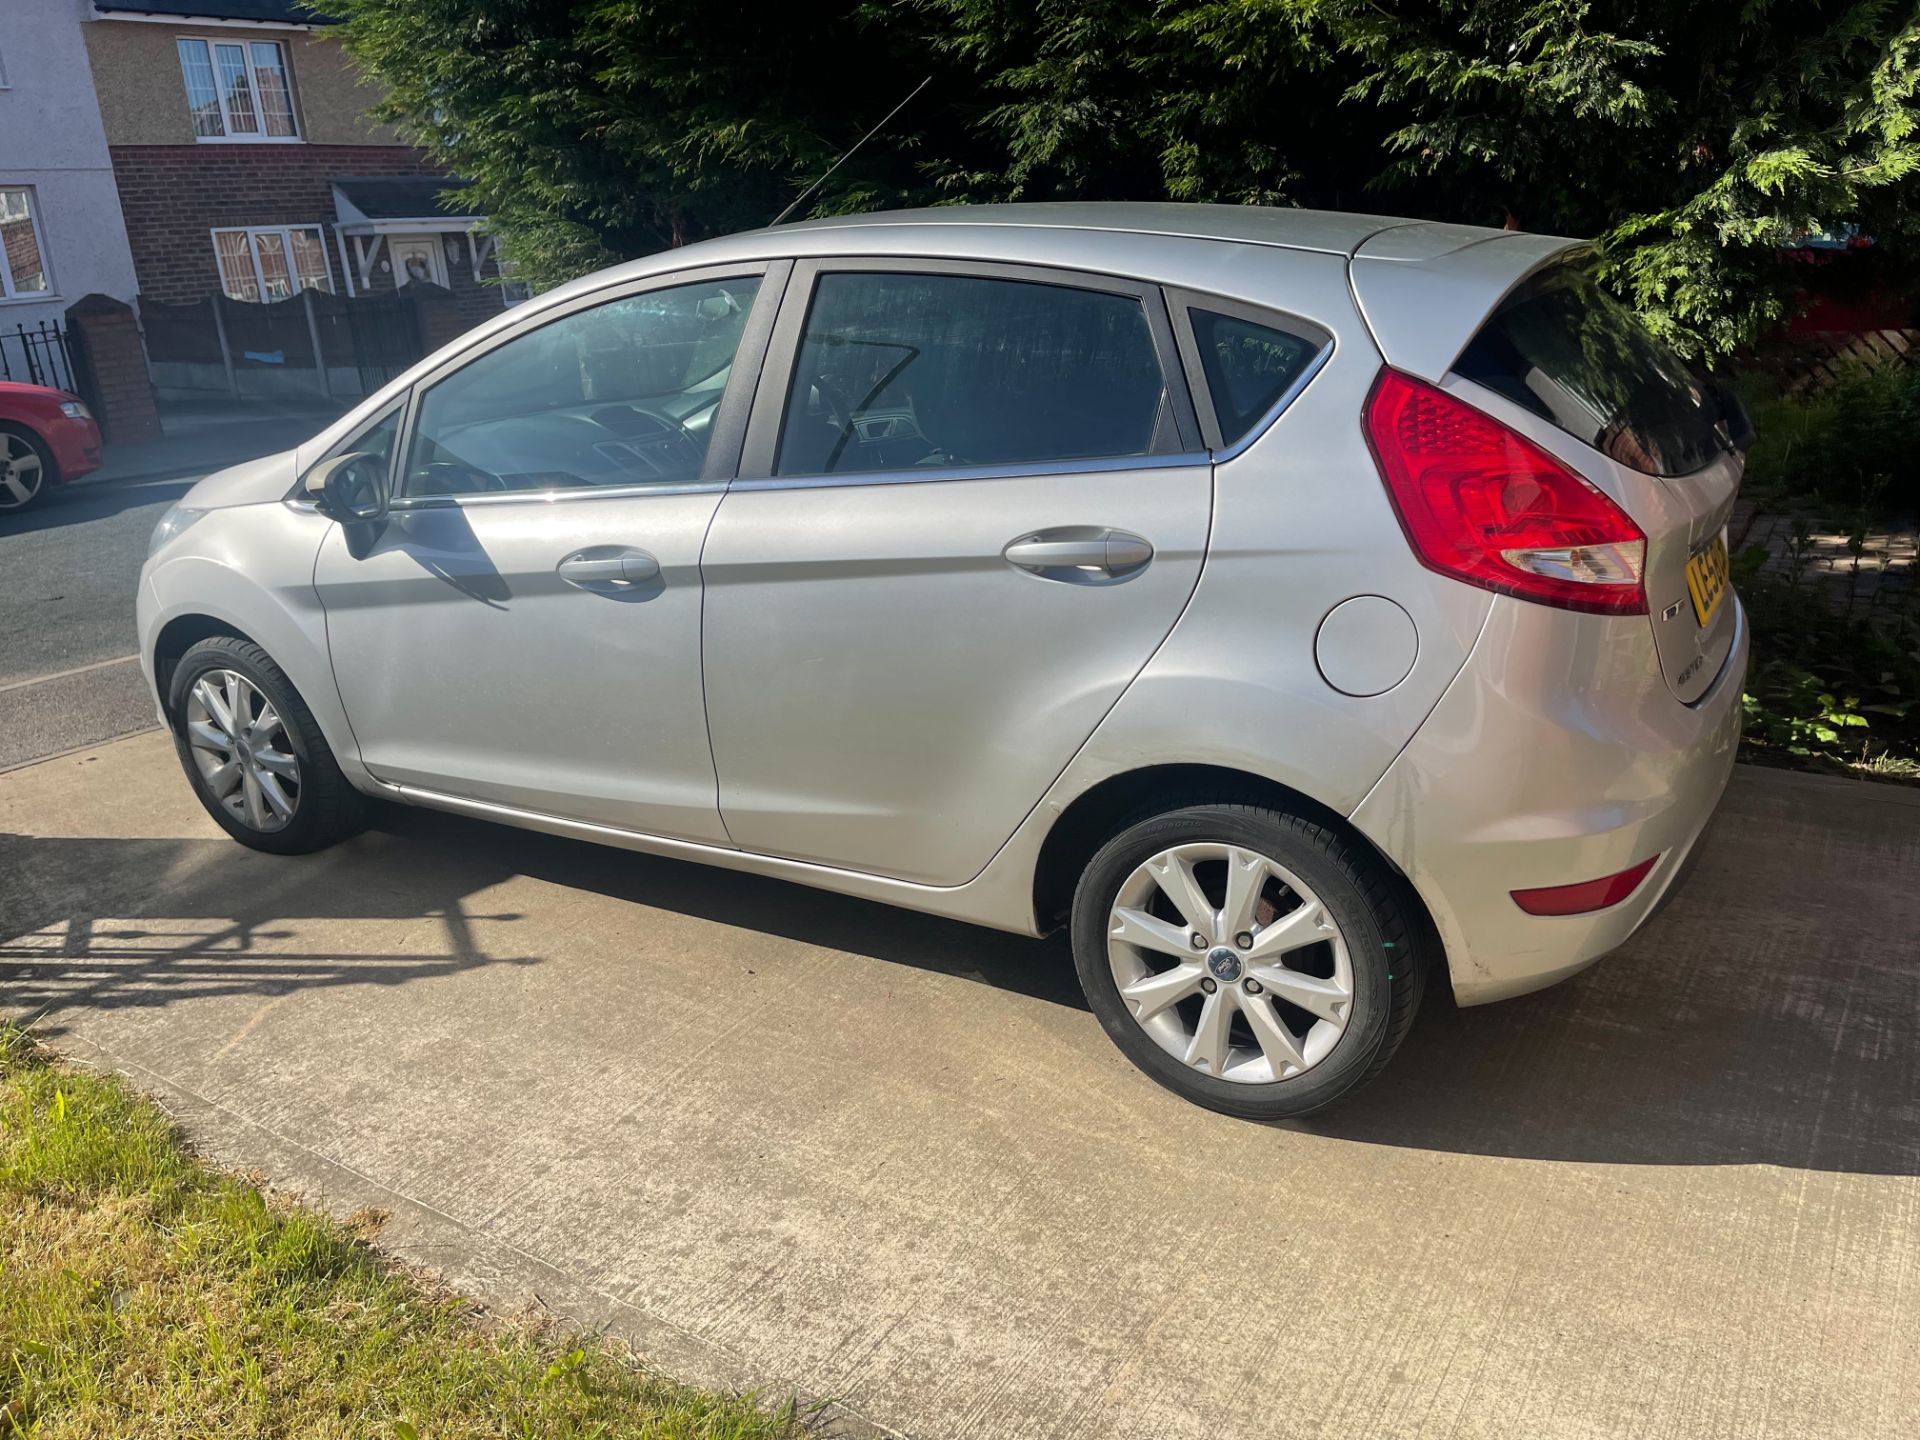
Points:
[(901, 370), (1248, 367), (1569, 352)]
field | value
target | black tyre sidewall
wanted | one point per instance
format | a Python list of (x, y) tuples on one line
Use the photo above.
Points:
[(1303, 849), (311, 827)]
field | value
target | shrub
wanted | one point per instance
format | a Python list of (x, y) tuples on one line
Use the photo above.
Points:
[(1849, 450)]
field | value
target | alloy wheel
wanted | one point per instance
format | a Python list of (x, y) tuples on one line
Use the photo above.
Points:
[(241, 748), (21, 472), (1230, 963)]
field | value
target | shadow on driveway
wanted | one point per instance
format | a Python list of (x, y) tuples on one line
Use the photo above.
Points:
[(1735, 1030)]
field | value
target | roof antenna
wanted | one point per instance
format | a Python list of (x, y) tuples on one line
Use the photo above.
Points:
[(855, 146)]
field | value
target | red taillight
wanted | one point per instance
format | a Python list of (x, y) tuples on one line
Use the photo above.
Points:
[(1487, 506), (1586, 896)]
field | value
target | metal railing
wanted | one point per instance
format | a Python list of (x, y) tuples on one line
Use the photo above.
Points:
[(40, 356)]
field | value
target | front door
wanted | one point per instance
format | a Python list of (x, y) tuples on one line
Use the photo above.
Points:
[(416, 257), (970, 511), (526, 628)]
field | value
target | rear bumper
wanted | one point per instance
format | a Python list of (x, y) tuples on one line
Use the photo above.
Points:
[(1559, 754)]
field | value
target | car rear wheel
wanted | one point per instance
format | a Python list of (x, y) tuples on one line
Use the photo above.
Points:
[(253, 753), (1250, 960), (27, 469)]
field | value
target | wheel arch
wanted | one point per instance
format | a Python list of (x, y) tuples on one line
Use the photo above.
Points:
[(1093, 817), (41, 440), (27, 428), (247, 571), (179, 635)]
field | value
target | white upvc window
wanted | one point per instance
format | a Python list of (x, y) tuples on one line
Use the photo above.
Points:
[(23, 254), (238, 90), (271, 262)]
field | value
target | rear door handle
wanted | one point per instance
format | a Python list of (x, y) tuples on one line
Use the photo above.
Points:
[(609, 568), (1080, 554)]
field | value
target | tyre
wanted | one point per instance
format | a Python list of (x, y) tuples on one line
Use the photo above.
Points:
[(253, 753), (1250, 960), (27, 469)]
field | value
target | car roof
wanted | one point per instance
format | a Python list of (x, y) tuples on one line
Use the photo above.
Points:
[(1161, 242), (1331, 232), (1421, 286)]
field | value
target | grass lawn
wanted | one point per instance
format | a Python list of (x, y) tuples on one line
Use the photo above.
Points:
[(143, 1294)]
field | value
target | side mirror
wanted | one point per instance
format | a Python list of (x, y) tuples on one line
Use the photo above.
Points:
[(350, 488)]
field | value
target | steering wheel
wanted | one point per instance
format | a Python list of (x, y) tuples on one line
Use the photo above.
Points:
[(451, 477)]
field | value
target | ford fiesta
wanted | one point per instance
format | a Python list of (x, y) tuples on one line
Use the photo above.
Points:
[(1299, 608)]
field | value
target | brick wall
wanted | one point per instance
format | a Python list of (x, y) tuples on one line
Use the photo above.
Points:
[(141, 97), (174, 195), (106, 344)]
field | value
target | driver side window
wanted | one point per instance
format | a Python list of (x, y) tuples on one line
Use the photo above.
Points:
[(621, 394)]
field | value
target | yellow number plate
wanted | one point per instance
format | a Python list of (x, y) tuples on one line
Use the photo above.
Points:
[(1707, 579)]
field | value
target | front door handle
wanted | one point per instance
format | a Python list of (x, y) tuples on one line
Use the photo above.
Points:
[(1080, 554), (611, 569)]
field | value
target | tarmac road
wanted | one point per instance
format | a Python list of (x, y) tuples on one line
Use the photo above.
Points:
[(68, 571)]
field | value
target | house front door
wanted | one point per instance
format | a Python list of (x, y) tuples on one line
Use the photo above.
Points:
[(417, 257)]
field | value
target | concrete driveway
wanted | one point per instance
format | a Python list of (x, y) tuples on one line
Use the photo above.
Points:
[(783, 1139)]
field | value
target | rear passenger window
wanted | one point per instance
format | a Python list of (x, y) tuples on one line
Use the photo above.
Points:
[(1248, 367), (899, 370), (1565, 349)]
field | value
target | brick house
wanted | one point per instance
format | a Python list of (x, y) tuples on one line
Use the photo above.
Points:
[(245, 163)]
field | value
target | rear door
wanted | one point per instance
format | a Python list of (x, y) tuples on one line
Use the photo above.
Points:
[(972, 503)]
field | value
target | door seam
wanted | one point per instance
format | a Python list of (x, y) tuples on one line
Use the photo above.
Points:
[(706, 709), (700, 563), (1200, 574)]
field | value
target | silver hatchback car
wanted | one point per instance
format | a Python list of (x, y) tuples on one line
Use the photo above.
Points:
[(1296, 606)]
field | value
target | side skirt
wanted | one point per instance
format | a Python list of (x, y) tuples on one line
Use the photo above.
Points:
[(974, 902)]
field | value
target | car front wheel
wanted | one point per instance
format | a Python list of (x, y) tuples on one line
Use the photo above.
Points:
[(1253, 961), (253, 752)]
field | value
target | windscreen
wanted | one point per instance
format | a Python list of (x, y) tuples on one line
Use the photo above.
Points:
[(1565, 349)]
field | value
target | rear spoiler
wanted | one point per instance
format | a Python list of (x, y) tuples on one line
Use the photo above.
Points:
[(1425, 289)]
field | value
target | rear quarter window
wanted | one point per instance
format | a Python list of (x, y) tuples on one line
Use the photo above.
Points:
[(1565, 349), (1248, 367)]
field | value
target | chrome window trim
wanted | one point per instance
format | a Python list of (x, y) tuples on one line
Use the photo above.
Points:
[(556, 495), (1100, 465), (1181, 302)]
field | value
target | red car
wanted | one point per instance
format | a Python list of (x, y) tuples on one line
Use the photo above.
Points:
[(47, 437)]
